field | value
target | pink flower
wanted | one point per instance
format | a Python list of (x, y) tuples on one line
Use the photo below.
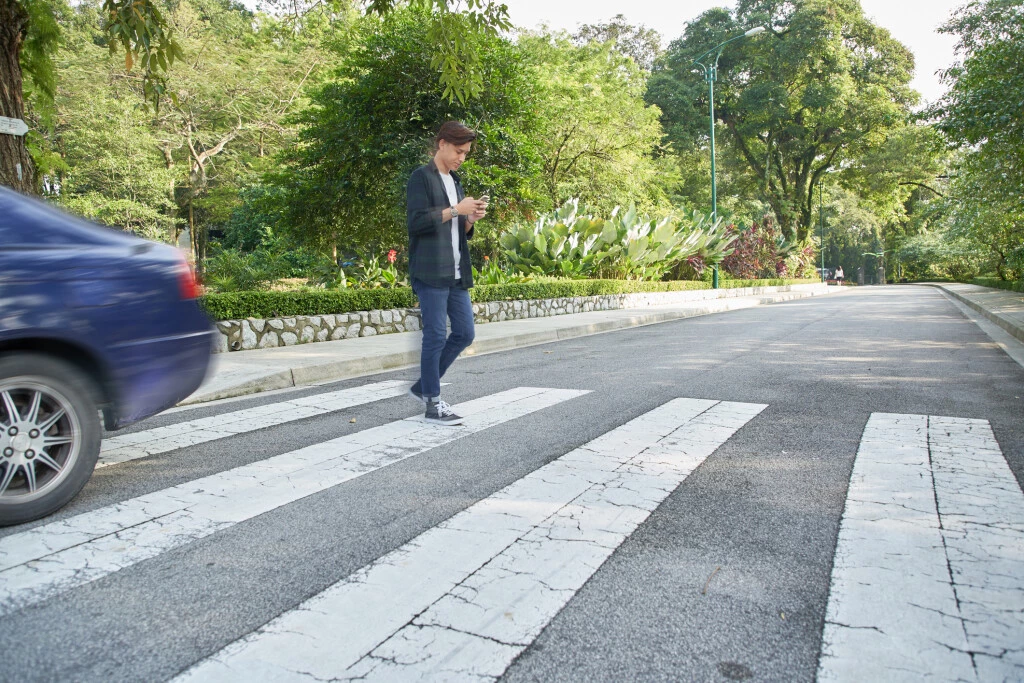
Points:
[(392, 255)]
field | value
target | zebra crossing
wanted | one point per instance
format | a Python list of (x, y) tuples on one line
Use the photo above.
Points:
[(929, 569), (928, 577)]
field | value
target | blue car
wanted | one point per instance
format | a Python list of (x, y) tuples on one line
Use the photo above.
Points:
[(91, 320)]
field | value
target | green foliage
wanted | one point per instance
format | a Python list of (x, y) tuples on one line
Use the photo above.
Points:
[(936, 254), (492, 274), (41, 42), (234, 306), (234, 271), (640, 43), (573, 244), (1017, 286), (111, 169), (459, 39), (138, 27), (597, 136), (981, 113), (823, 86), (374, 122), (761, 251)]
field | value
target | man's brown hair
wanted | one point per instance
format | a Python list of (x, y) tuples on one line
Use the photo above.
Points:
[(455, 133)]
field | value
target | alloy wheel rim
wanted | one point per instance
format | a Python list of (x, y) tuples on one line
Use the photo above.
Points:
[(40, 439)]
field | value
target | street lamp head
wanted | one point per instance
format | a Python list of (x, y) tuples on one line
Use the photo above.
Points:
[(754, 31)]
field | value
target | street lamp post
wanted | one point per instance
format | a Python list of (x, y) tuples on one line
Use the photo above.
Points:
[(710, 74), (821, 225)]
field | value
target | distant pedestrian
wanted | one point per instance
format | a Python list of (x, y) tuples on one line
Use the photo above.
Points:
[(440, 219), (839, 275)]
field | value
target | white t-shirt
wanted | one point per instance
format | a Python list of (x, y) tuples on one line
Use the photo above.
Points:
[(453, 199)]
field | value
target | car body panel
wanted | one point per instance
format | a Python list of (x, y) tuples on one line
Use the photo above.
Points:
[(114, 298)]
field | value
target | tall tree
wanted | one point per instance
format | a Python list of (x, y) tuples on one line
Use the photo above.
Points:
[(597, 134), (641, 43), (140, 30), (982, 115), (373, 123), (28, 38), (821, 87)]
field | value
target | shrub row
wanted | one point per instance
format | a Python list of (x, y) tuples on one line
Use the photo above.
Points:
[(1013, 286), (238, 305)]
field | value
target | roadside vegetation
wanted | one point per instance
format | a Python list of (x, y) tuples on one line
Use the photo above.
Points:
[(275, 145)]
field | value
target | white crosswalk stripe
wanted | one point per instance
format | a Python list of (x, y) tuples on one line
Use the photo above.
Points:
[(462, 600), (125, 447), (928, 579), (48, 560)]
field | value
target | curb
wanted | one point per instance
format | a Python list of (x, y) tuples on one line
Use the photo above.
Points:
[(1007, 324), (339, 370)]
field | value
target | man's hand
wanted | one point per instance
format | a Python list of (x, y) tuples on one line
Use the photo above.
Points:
[(468, 206), (478, 211)]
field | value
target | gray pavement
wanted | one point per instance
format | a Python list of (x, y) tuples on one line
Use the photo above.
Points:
[(728, 579), (242, 373)]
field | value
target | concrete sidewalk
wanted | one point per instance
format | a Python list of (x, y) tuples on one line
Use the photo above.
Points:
[(1002, 307), (248, 372)]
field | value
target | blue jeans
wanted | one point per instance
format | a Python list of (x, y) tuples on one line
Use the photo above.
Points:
[(437, 306)]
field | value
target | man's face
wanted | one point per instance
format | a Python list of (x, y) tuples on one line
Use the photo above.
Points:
[(452, 155)]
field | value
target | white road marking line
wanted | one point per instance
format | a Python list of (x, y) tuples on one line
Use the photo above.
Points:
[(982, 512), (125, 447), (928, 580), (48, 560), (463, 599)]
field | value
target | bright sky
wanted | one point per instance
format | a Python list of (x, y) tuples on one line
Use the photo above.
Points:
[(912, 22)]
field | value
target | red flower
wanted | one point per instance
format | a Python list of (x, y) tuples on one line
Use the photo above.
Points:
[(486, 257), (392, 255)]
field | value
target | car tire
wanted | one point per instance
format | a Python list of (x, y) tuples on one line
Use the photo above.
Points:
[(49, 435)]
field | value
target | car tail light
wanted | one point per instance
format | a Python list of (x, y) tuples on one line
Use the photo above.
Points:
[(187, 284)]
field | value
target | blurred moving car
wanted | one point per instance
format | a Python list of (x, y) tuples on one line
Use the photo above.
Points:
[(91, 319)]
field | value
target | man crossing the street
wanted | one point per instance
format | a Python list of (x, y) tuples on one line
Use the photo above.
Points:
[(440, 220)]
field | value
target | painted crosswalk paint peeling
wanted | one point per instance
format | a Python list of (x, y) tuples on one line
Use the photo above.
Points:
[(464, 598), (928, 578), (45, 561), (141, 444)]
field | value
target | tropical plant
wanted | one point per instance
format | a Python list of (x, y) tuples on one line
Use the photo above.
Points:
[(574, 244), (233, 271)]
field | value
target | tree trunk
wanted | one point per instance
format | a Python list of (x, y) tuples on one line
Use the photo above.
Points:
[(16, 168)]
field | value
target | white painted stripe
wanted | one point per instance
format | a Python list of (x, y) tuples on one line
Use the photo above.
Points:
[(42, 562), (982, 512), (929, 566), (125, 447), (463, 599)]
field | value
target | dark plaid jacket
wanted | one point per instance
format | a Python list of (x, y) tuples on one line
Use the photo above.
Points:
[(430, 240)]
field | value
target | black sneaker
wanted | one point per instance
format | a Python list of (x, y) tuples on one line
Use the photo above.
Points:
[(413, 391), (441, 413)]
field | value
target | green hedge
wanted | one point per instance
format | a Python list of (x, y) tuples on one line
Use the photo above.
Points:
[(1013, 286), (238, 305)]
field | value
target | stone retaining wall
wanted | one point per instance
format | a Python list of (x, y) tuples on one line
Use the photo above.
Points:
[(252, 333)]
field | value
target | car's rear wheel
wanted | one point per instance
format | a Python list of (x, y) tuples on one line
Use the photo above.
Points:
[(49, 435)]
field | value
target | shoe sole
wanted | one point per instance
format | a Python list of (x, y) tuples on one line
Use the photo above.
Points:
[(447, 423), (419, 397)]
